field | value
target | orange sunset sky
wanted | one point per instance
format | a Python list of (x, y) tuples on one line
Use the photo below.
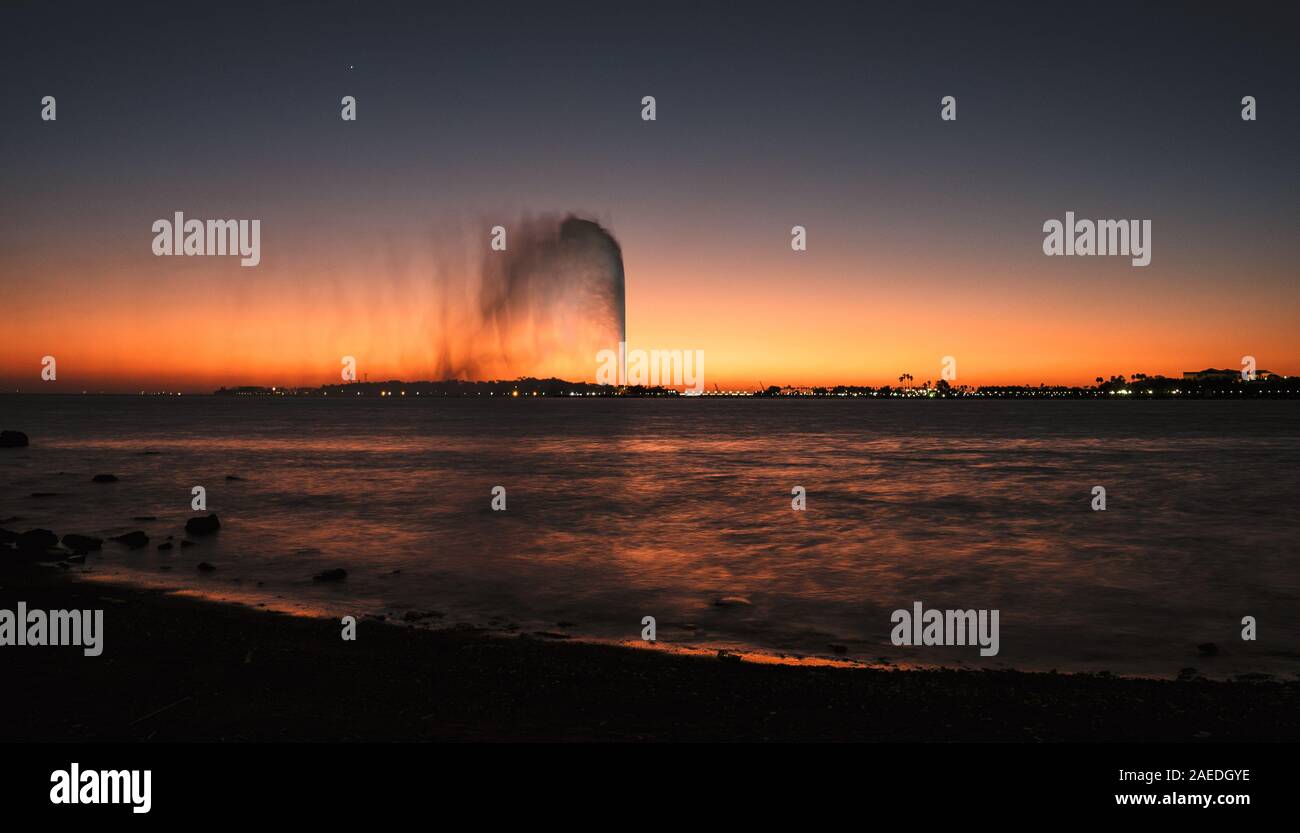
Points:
[(924, 235), (841, 312)]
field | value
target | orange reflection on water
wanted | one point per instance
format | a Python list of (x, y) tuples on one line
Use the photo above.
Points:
[(755, 656), (252, 599)]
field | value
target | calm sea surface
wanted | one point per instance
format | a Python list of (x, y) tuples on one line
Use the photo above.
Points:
[(619, 509)]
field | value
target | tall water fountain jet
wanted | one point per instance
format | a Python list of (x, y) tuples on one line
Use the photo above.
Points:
[(552, 300)]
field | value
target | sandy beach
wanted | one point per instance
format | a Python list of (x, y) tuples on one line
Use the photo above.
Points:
[(179, 669)]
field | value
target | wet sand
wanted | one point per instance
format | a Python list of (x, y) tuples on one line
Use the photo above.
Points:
[(180, 669)]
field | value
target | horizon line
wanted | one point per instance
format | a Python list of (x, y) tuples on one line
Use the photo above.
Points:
[(1139, 383)]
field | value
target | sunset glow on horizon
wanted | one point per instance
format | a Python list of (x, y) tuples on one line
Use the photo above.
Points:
[(801, 321)]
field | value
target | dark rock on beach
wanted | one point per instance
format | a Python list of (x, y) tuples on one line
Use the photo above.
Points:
[(36, 541), (203, 526), (164, 546), (82, 543), (104, 478), (133, 540), (205, 567), (13, 439), (336, 574)]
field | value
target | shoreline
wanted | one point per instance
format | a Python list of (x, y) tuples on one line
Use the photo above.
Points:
[(177, 668), (445, 619)]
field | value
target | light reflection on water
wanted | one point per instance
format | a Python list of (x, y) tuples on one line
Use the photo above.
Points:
[(621, 509)]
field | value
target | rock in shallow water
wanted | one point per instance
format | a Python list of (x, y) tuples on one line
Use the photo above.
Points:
[(82, 543), (133, 540), (13, 439), (36, 541), (203, 526), (336, 574), (104, 478)]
